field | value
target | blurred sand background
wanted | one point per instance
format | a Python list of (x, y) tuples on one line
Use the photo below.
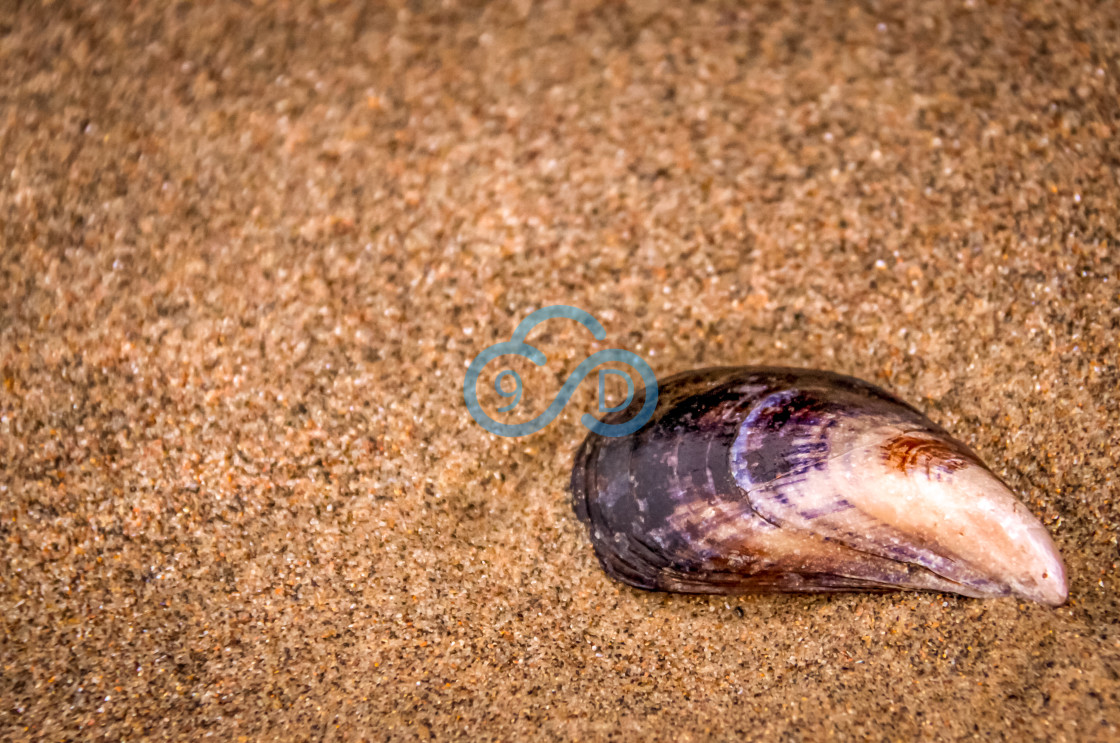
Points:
[(248, 250)]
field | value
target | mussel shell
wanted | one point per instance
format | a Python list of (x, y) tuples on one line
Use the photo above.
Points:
[(758, 479)]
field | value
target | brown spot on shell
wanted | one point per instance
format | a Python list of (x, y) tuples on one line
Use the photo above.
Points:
[(908, 453)]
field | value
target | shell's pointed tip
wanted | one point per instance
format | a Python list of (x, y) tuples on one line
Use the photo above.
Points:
[(1021, 553), (1035, 570), (1050, 586)]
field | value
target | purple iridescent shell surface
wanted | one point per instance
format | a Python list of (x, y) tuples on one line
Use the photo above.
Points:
[(768, 479)]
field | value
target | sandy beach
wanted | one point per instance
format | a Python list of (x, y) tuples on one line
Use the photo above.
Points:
[(248, 250)]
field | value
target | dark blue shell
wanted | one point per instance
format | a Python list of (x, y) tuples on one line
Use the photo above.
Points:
[(738, 484)]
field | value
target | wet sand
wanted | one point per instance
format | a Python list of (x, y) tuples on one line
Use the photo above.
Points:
[(248, 251)]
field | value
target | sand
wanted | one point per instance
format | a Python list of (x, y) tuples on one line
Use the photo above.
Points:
[(248, 250)]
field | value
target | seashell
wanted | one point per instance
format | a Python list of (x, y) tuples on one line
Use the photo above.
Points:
[(758, 479)]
